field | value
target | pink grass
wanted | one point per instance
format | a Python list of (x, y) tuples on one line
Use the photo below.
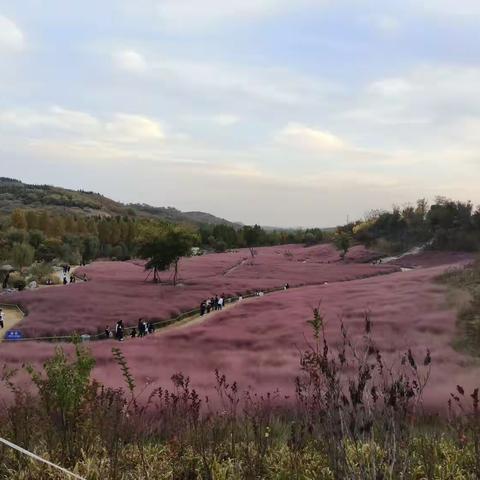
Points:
[(256, 342)]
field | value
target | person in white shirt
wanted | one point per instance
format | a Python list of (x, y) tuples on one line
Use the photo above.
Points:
[(2, 318)]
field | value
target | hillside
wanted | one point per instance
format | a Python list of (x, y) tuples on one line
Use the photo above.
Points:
[(16, 194)]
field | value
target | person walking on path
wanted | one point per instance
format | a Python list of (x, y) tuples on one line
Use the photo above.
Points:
[(141, 330), (119, 331), (2, 318)]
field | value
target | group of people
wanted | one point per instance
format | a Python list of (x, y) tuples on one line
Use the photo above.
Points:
[(146, 328), (67, 276), (214, 303), (143, 328)]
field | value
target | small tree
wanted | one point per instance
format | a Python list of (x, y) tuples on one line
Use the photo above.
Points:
[(164, 246), (252, 236), (343, 242), (64, 387), (18, 219)]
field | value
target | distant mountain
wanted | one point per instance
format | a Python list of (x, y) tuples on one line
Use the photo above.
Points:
[(16, 194)]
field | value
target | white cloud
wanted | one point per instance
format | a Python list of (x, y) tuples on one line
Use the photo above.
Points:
[(77, 133), (73, 120), (302, 136), (131, 61), (452, 8), (235, 82), (134, 128), (55, 118), (191, 15), (11, 37), (225, 119), (387, 24), (424, 104), (391, 86)]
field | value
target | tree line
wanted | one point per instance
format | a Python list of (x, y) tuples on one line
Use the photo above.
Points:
[(28, 236), (445, 225)]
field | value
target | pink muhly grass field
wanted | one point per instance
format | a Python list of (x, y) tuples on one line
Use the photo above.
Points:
[(118, 290), (257, 341)]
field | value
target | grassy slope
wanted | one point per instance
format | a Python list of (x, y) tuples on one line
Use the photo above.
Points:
[(15, 194)]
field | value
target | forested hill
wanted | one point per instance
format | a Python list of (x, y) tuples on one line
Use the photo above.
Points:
[(16, 194)]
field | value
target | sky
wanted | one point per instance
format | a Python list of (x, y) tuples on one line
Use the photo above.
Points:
[(278, 112)]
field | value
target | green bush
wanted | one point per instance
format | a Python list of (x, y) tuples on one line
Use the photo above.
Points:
[(22, 255), (40, 271)]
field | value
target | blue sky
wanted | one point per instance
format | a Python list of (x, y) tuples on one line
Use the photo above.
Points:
[(280, 112)]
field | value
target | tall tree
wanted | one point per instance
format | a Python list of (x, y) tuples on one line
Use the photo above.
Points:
[(164, 246)]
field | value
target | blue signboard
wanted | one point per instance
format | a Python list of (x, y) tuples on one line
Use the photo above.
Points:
[(13, 335)]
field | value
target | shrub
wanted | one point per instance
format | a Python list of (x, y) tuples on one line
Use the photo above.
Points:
[(16, 280), (19, 284), (63, 389), (22, 255), (468, 279), (40, 271)]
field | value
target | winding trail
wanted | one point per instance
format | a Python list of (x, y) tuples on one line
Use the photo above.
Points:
[(197, 319), (188, 313), (185, 319)]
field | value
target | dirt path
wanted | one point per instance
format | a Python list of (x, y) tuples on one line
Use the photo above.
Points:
[(198, 319), (235, 267), (12, 316)]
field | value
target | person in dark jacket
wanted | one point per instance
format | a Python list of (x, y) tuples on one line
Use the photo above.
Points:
[(140, 327), (119, 331)]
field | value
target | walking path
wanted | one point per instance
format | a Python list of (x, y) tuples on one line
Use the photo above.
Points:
[(235, 267), (186, 319), (197, 319)]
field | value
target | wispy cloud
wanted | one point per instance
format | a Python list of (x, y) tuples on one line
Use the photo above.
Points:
[(130, 61), (59, 131), (225, 119), (12, 38), (192, 15), (387, 24), (303, 136)]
